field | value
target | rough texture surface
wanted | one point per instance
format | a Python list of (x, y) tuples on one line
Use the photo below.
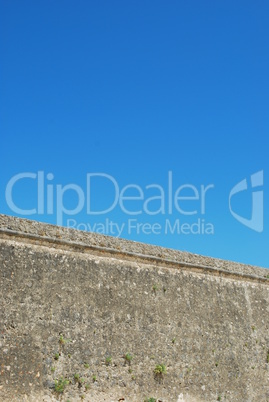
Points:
[(78, 303)]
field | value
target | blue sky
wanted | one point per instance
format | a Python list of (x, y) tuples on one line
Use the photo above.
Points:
[(135, 90)]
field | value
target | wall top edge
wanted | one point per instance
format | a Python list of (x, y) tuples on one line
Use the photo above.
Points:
[(28, 228)]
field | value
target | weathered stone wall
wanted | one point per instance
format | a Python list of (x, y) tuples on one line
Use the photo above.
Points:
[(74, 304)]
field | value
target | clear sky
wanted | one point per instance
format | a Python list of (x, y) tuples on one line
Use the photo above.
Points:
[(135, 90)]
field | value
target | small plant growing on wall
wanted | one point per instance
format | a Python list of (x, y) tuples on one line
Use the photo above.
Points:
[(159, 371), (63, 341), (60, 384), (150, 400), (56, 356), (128, 358), (108, 360), (76, 377), (267, 358), (155, 288), (78, 380)]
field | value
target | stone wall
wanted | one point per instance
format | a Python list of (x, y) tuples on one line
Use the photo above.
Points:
[(103, 313)]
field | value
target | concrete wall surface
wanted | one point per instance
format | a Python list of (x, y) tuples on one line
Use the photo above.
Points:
[(94, 318)]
